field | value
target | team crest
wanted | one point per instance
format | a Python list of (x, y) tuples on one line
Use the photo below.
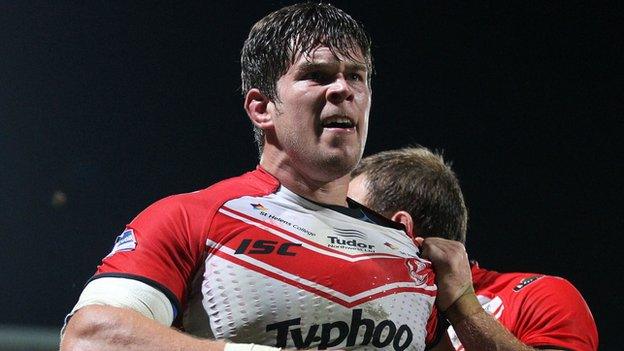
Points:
[(414, 267), (124, 242)]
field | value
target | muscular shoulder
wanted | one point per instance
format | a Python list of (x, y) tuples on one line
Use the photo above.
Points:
[(550, 312), (534, 292), (515, 284), (182, 207), (254, 183), (540, 310), (550, 293), (166, 242)]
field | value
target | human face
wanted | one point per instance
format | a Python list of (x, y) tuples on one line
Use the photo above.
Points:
[(320, 116)]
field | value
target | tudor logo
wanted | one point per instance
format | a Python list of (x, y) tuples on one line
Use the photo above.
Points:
[(350, 233), (352, 243)]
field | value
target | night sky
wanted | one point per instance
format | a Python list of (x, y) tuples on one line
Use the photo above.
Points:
[(107, 107)]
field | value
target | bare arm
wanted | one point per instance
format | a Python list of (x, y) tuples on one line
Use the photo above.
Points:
[(476, 329), (104, 328), (481, 331)]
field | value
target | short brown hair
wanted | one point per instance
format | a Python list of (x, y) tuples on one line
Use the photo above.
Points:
[(276, 41), (418, 181)]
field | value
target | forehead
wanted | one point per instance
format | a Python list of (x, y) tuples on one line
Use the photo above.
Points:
[(325, 55)]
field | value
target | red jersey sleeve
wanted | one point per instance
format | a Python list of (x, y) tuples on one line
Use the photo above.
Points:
[(166, 250), (166, 243), (554, 314)]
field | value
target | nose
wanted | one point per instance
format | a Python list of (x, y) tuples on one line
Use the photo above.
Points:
[(339, 91)]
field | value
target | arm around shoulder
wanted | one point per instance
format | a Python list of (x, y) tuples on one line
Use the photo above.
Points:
[(477, 330), (98, 327)]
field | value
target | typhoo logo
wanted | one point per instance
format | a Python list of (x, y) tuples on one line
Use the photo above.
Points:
[(400, 337)]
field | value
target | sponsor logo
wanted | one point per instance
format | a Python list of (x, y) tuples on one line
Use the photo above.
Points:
[(304, 230), (124, 242), (272, 218), (278, 220), (259, 207), (265, 247), (526, 281), (414, 267), (352, 244), (350, 233), (327, 335)]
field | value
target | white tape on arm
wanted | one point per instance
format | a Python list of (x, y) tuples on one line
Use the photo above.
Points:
[(248, 347), (127, 293)]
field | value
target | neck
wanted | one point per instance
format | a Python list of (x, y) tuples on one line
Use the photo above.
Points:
[(331, 192)]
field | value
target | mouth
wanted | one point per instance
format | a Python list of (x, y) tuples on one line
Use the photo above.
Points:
[(340, 122)]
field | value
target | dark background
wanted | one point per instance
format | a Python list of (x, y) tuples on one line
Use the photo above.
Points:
[(116, 105)]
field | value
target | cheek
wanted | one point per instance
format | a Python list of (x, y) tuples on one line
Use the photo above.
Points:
[(312, 101), (307, 100), (364, 100)]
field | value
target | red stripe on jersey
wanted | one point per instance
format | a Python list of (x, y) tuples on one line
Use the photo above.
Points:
[(319, 292), (344, 275)]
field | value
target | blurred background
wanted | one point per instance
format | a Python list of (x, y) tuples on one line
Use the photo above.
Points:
[(108, 106)]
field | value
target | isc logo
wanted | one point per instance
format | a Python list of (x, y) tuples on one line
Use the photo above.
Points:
[(265, 247)]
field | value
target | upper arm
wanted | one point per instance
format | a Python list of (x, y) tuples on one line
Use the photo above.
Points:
[(167, 246), (127, 293), (93, 323), (111, 328)]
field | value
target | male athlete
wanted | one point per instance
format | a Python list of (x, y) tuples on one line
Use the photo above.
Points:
[(276, 256), (415, 187)]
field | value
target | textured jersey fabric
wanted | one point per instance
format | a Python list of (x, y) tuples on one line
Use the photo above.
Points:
[(540, 310), (249, 261)]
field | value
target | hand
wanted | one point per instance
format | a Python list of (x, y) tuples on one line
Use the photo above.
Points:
[(451, 267)]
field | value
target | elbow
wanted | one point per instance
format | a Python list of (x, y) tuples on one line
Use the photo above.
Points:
[(89, 328)]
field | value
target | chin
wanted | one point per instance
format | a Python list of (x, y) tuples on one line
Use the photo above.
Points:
[(331, 162), (337, 165)]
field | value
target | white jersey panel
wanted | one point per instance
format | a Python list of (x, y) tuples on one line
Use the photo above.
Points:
[(290, 273)]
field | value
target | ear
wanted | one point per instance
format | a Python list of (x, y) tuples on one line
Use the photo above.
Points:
[(256, 105), (406, 219)]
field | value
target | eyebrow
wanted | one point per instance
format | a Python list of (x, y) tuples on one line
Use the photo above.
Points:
[(310, 66), (355, 66)]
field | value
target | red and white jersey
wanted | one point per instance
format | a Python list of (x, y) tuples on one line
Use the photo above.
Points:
[(540, 310), (249, 261)]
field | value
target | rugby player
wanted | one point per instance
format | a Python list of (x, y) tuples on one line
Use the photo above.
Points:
[(490, 310), (277, 257)]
